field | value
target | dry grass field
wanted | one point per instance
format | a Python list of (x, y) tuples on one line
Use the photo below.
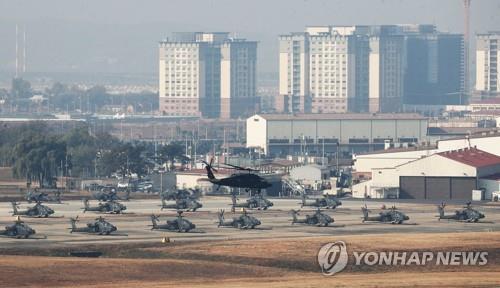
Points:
[(253, 263)]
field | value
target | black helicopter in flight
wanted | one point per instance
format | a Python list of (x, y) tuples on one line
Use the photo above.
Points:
[(237, 180)]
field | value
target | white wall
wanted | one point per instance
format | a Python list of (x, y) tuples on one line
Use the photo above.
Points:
[(311, 173), (434, 165), (488, 144), (257, 132), (283, 89), (480, 66), (374, 76), (385, 177), (365, 163), (225, 76)]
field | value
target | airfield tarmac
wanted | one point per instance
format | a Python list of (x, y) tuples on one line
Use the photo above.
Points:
[(135, 224), (277, 254)]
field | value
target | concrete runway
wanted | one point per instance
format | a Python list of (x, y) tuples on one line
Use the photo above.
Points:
[(134, 225)]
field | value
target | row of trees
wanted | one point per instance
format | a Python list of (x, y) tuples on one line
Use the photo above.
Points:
[(38, 154)]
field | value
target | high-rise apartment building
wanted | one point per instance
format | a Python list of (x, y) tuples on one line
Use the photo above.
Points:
[(332, 69), (335, 69), (487, 64), (207, 75), (434, 72)]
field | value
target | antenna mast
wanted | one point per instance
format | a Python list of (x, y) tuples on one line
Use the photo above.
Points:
[(467, 4), (17, 52)]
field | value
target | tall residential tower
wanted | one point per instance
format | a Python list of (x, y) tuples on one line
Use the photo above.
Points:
[(337, 69), (207, 75), (487, 64)]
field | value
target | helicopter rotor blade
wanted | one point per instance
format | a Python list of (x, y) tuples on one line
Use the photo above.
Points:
[(240, 168)]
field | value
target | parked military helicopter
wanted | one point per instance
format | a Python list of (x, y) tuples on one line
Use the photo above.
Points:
[(111, 207), (176, 194), (110, 194), (238, 180), (317, 219), (99, 226), (254, 202), (18, 230), (327, 202), (39, 210), (186, 204), (244, 221), (467, 214), (391, 215), (35, 196), (180, 224)]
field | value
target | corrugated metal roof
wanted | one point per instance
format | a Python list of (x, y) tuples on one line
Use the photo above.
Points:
[(344, 116), (472, 157)]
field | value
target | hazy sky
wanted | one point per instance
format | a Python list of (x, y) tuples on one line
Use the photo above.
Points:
[(121, 36)]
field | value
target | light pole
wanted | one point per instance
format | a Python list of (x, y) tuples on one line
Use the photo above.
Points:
[(161, 182)]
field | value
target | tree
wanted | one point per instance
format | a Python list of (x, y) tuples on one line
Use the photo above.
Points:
[(20, 89), (39, 157), (171, 153)]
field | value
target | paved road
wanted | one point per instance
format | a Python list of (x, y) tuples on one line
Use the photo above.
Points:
[(133, 226)]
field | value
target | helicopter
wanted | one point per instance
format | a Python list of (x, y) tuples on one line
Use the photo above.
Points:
[(18, 230), (467, 214), (35, 196), (108, 193), (317, 219), (39, 210), (111, 207), (245, 221), (180, 224), (99, 226), (238, 180), (254, 202), (327, 202), (177, 194), (391, 215), (186, 204)]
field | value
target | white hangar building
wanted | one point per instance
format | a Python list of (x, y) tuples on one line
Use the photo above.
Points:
[(285, 134), (365, 162), (440, 176)]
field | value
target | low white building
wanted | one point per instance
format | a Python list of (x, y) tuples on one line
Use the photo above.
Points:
[(311, 175)]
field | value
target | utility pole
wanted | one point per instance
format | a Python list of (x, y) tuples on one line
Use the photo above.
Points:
[(17, 51), (323, 157), (24, 49)]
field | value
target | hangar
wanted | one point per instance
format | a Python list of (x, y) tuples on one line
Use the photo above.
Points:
[(309, 134), (441, 176)]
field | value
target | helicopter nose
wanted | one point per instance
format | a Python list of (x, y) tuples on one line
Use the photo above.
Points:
[(407, 218)]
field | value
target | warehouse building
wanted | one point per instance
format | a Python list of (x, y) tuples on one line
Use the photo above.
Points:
[(318, 134), (364, 163), (441, 176)]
